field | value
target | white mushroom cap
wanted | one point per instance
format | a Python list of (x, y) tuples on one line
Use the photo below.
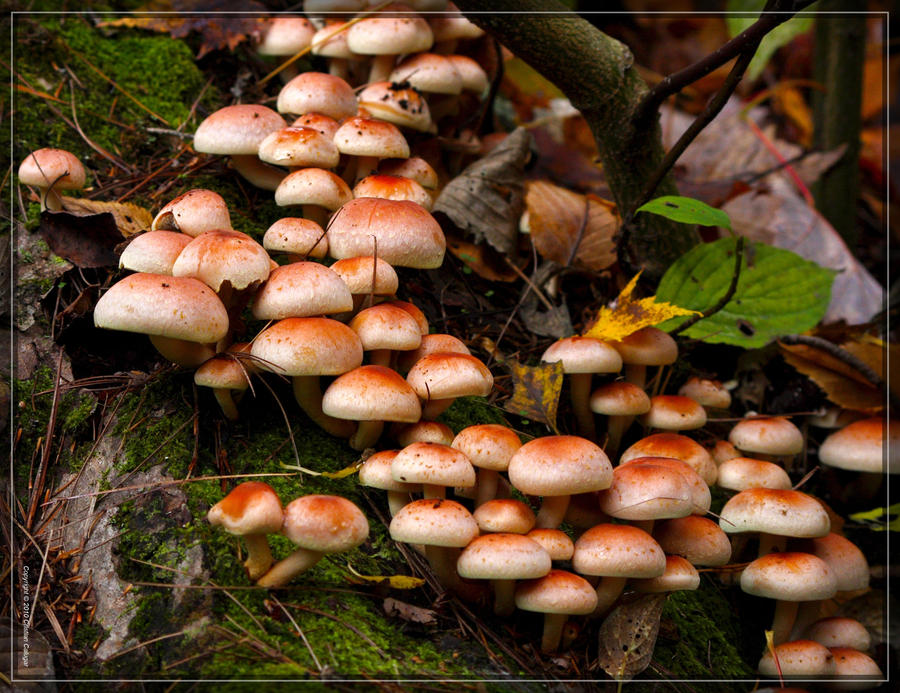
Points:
[(858, 446), (742, 473), (768, 435), (217, 257), (155, 304), (392, 188), (503, 556), (443, 375), (433, 464), (647, 492), (775, 511), (855, 670), (386, 327), (298, 147), (559, 466), (555, 542), (371, 393), (558, 592), (583, 355), (434, 522), (789, 576), (405, 234), (504, 515), (674, 413), (846, 560), (489, 446), (618, 551), (677, 446), (251, 507), (387, 34), (317, 92), (679, 575), (429, 73), (399, 104), (154, 251), (325, 524), (798, 659), (301, 289), (619, 398), (313, 186), (358, 272), (375, 472), (49, 166), (649, 346), (709, 393), (285, 35), (359, 136), (236, 129), (193, 212), (297, 236), (838, 631), (308, 346), (696, 538)]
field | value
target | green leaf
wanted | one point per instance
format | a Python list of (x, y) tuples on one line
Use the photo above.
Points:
[(778, 293), (873, 518), (780, 36), (686, 210)]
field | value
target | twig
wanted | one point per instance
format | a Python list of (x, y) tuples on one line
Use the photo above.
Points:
[(837, 352), (674, 83), (726, 297), (45, 456)]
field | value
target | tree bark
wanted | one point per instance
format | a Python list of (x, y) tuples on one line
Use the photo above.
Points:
[(595, 72), (840, 55)]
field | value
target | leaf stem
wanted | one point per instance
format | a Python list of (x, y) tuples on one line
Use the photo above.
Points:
[(726, 297)]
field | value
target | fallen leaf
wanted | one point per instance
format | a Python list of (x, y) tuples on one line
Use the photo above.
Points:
[(341, 473), (130, 218), (782, 218), (547, 322), (628, 636), (394, 608), (487, 198), (535, 391), (481, 259), (843, 385), (398, 582), (219, 27), (86, 241), (571, 229), (788, 101), (564, 157), (880, 519), (629, 315)]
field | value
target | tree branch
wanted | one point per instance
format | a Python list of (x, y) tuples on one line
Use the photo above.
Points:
[(677, 81)]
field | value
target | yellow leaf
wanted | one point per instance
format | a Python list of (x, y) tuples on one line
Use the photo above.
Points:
[(398, 582), (130, 218), (535, 391), (341, 473), (629, 315)]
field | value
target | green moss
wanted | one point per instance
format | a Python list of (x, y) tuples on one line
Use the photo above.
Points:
[(152, 69), (701, 638)]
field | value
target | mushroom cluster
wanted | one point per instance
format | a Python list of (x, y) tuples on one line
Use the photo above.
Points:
[(562, 525)]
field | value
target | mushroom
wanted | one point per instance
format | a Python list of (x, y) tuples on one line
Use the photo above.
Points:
[(620, 401), (299, 238), (508, 515), (771, 438), (673, 413), (317, 92), (318, 525), (490, 448), (649, 346), (226, 374), (677, 446), (384, 330), (153, 252), (375, 472), (237, 131), (581, 357), (803, 659), (305, 349), (556, 595), (182, 316), (439, 378), (317, 191), (192, 213), (435, 466), (50, 170), (387, 35), (251, 510), (371, 395), (503, 558), (556, 467), (368, 140)]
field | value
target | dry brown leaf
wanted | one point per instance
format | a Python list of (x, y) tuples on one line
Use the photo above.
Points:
[(481, 259), (130, 218), (536, 391), (223, 30), (571, 229), (843, 385), (394, 608), (487, 198), (628, 636), (85, 241)]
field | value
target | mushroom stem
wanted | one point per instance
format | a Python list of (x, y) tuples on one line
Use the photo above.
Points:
[(807, 613), (309, 396), (256, 172), (288, 568), (51, 200), (504, 597), (443, 563), (181, 351), (316, 213), (259, 556), (486, 488), (396, 500), (553, 509), (615, 429), (608, 591), (636, 374), (365, 166), (380, 357), (226, 403), (771, 543), (580, 392), (783, 621), (553, 627), (381, 67), (367, 434), (434, 491), (435, 407)]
